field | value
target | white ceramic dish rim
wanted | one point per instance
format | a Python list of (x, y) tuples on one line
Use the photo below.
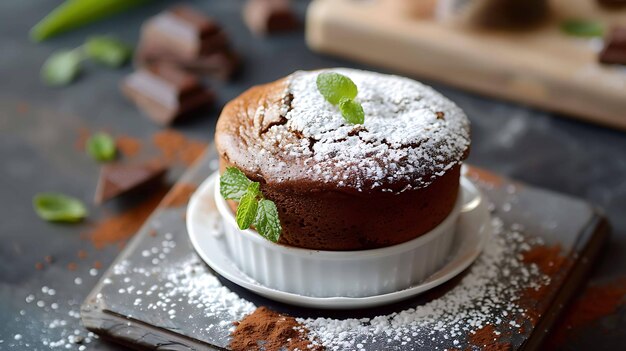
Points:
[(461, 258), (227, 215)]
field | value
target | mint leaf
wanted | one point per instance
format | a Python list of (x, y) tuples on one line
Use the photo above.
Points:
[(59, 208), (107, 50), (248, 205), (101, 147), (267, 222), (352, 111), (62, 67), (233, 184), (581, 28), (334, 87)]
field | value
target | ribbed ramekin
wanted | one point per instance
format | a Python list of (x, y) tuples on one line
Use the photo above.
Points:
[(337, 273)]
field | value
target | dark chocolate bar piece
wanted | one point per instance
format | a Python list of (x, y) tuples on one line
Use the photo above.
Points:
[(612, 3), (269, 16), (165, 92), (117, 179), (614, 51), (187, 38), (222, 65)]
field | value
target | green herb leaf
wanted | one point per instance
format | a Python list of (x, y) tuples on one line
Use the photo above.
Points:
[(334, 87), (72, 14), (352, 111), (267, 222), (581, 28), (62, 67), (59, 208), (101, 147), (233, 184), (248, 205), (107, 50)]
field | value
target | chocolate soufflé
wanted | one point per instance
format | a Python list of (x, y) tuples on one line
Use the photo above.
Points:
[(340, 186)]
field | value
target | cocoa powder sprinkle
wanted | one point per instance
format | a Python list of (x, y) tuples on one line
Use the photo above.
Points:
[(265, 329), (128, 146), (176, 147), (117, 228), (179, 196)]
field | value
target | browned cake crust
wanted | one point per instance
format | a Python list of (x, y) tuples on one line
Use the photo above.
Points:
[(337, 208)]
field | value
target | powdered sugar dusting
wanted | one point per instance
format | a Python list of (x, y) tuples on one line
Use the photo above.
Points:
[(483, 297), (410, 136)]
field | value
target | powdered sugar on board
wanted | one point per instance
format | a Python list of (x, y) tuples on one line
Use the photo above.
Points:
[(411, 133), (486, 296)]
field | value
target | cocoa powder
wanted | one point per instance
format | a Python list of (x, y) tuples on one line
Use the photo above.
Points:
[(176, 147), (179, 195), (117, 228), (550, 261), (265, 329), (81, 140), (596, 301), (128, 146)]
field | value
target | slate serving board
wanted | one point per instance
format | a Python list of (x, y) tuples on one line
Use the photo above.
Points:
[(138, 319)]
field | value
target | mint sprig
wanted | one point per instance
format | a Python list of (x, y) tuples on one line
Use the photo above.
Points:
[(107, 51), (56, 207), (253, 209), (248, 205), (267, 221), (62, 67), (101, 147), (582, 28), (233, 184), (341, 90)]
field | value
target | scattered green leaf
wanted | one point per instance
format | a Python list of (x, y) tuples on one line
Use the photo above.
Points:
[(334, 87), (582, 28), (101, 147), (267, 222), (107, 50), (233, 184), (59, 208), (352, 111), (75, 13), (248, 205), (62, 67)]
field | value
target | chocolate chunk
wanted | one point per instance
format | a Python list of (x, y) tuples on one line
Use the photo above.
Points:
[(614, 51), (117, 179), (612, 3), (165, 93), (269, 16), (222, 65), (187, 38)]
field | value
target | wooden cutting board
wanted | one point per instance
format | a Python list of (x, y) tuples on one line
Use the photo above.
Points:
[(143, 302), (542, 67)]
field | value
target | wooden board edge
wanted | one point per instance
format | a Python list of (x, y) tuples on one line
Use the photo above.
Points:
[(134, 334), (325, 20), (589, 246)]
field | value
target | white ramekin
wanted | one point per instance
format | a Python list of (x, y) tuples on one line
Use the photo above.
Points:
[(337, 273)]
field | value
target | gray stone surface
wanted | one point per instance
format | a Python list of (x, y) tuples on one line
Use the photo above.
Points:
[(37, 154)]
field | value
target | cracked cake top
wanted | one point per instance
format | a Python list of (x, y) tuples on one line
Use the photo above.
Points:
[(286, 132)]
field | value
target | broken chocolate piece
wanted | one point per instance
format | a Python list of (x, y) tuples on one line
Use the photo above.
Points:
[(614, 51), (269, 16), (612, 3), (222, 65), (187, 38), (117, 179), (165, 93)]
